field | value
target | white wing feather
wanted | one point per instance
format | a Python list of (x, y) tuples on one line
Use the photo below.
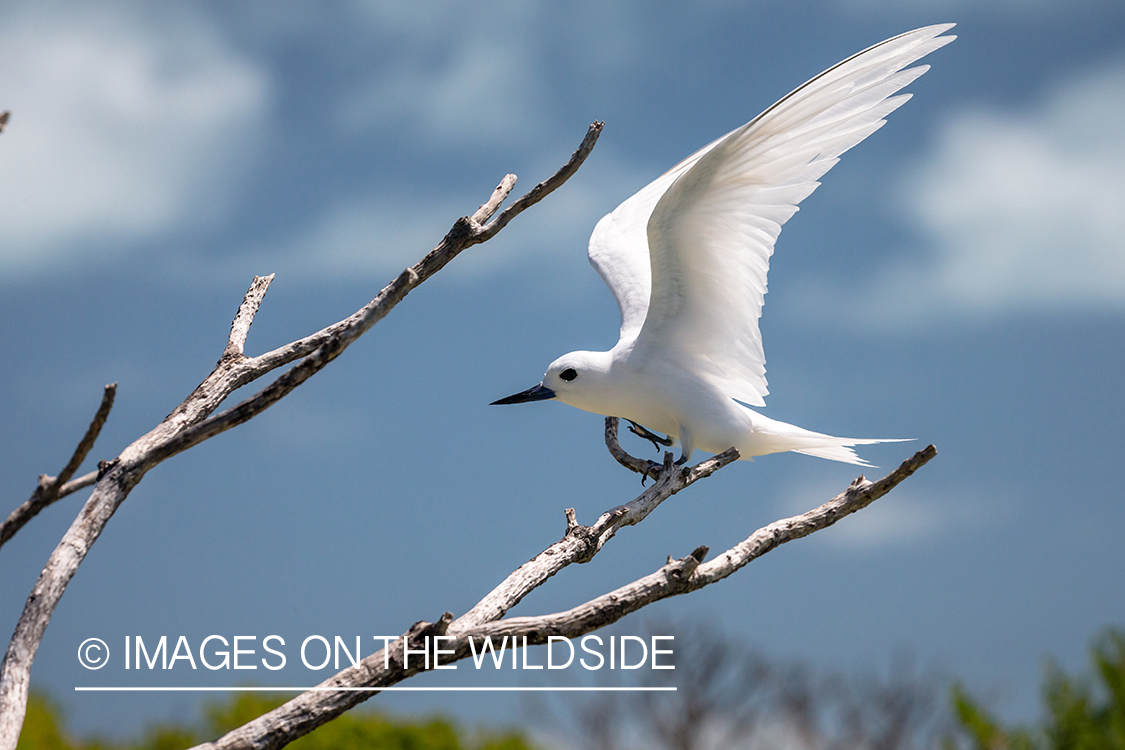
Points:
[(619, 247), (700, 237)]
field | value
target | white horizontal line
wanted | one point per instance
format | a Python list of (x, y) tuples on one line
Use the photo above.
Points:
[(138, 689)]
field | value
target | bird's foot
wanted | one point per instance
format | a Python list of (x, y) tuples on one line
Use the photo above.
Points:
[(681, 460), (652, 467), (643, 432)]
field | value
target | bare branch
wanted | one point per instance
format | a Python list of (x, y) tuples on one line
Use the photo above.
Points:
[(670, 580), (77, 484), (462, 235), (581, 543), (195, 420), (858, 496), (331, 341), (250, 408), (613, 606), (51, 489), (388, 667), (240, 328), (632, 463), (192, 422), (545, 188), (485, 212)]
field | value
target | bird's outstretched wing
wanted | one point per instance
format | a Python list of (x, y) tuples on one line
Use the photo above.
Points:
[(700, 237), (619, 247)]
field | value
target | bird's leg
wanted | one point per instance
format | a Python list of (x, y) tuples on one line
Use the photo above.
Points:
[(653, 466), (643, 432), (686, 446)]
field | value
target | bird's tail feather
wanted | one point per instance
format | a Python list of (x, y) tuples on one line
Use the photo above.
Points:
[(843, 452), (771, 436)]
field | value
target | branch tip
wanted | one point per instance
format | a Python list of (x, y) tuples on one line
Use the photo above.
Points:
[(571, 520), (442, 625), (240, 327), (49, 489), (544, 188), (489, 207), (681, 570)]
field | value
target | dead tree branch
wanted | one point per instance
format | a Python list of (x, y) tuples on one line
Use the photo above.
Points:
[(194, 420), (581, 543), (51, 489), (197, 418), (387, 667)]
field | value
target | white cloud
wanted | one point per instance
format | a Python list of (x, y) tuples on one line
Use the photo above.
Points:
[(1024, 209), (125, 123), (478, 93), (378, 235), (901, 519), (449, 77), (459, 73)]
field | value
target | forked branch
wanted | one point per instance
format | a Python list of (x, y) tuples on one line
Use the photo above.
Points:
[(389, 666), (195, 420), (50, 488)]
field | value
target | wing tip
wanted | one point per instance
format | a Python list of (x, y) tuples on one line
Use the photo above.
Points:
[(933, 30), (938, 30)]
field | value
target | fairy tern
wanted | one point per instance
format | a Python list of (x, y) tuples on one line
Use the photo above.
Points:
[(686, 259)]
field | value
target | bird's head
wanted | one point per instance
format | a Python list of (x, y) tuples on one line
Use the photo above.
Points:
[(577, 379)]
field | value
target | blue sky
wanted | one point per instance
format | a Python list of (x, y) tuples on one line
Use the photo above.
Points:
[(959, 278)]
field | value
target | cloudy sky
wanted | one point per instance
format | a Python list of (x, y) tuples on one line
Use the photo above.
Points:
[(959, 278)]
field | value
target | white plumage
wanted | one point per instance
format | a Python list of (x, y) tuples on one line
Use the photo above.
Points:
[(686, 259)]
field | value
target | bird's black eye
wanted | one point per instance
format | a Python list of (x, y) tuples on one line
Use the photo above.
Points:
[(568, 374)]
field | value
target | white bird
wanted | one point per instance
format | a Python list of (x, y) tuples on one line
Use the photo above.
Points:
[(686, 259)]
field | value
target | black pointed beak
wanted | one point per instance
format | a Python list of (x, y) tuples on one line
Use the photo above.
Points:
[(538, 393)]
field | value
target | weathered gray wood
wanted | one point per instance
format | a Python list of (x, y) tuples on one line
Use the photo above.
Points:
[(384, 668), (51, 489), (581, 543), (195, 420)]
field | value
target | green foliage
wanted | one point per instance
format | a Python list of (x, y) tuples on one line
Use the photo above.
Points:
[(43, 730), (365, 729), (1083, 712)]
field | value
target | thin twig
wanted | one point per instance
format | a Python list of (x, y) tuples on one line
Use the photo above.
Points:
[(545, 188), (51, 489), (632, 463), (240, 328), (77, 484), (499, 195)]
